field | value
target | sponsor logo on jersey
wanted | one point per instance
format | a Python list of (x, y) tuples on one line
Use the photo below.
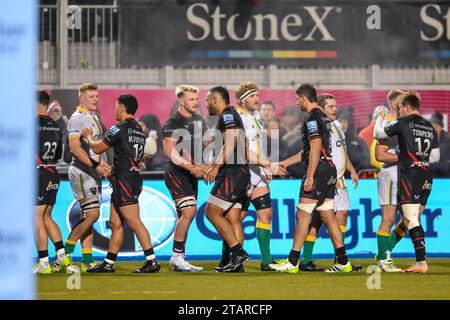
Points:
[(312, 126), (228, 119)]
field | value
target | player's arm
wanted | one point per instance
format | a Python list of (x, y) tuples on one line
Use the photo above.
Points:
[(382, 154), (314, 157), (353, 174)]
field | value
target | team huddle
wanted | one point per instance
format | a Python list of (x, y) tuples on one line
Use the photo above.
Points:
[(241, 174)]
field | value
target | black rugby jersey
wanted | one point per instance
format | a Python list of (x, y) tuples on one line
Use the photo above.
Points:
[(230, 119), (317, 125), (50, 143), (416, 139)]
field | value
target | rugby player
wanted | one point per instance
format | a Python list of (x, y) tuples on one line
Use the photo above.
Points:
[(85, 172), (341, 198), (418, 144), (231, 175), (317, 189), (48, 153), (183, 134), (128, 141), (247, 94)]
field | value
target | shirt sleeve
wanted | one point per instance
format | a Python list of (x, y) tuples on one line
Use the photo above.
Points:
[(169, 129), (393, 128), (227, 121), (75, 126), (312, 129), (112, 136)]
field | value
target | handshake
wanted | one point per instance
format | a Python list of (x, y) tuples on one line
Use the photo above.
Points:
[(209, 172)]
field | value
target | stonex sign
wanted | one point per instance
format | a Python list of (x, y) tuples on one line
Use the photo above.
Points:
[(259, 27), (284, 32), (159, 216)]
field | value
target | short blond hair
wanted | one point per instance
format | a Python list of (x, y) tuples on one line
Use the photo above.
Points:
[(394, 95), (243, 88), (86, 86), (182, 89)]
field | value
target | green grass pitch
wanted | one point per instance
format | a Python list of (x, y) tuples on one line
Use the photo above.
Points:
[(253, 284)]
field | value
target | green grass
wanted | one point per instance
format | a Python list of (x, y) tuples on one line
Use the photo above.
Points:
[(253, 284)]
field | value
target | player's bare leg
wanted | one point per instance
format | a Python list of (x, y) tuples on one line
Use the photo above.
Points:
[(83, 231)]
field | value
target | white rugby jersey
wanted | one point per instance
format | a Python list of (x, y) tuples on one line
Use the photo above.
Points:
[(338, 149), (82, 119), (253, 129)]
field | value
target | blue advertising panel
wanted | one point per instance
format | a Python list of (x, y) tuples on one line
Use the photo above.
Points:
[(17, 136), (158, 214)]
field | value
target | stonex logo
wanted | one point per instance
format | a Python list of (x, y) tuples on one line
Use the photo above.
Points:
[(157, 213), (291, 27)]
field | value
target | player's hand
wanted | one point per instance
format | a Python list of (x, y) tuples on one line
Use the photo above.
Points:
[(198, 171), (381, 112), (86, 132), (278, 169), (268, 174), (104, 169), (355, 178), (211, 174), (308, 186)]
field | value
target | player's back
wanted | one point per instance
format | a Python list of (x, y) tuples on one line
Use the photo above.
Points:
[(416, 138), (128, 142), (50, 142)]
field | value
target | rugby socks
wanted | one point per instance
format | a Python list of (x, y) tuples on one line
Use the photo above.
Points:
[(70, 246), (383, 244), (43, 259), (237, 250), (396, 235), (308, 247), (263, 237), (225, 253), (111, 258), (294, 255), (149, 254), (60, 251), (179, 247), (87, 255), (418, 238), (341, 256)]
